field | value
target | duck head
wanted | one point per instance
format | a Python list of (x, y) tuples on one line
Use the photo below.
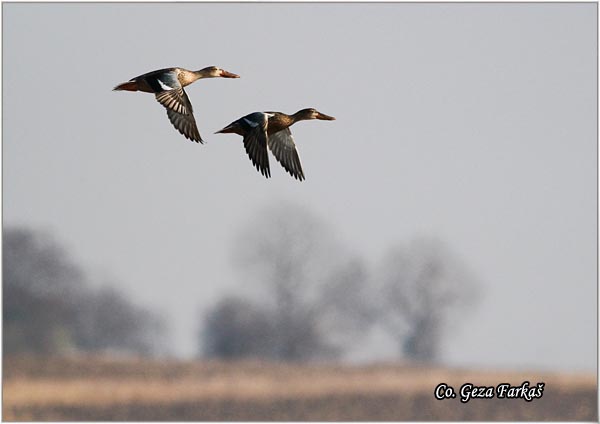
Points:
[(311, 113), (214, 72)]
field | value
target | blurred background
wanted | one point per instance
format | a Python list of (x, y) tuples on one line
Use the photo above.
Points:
[(446, 231)]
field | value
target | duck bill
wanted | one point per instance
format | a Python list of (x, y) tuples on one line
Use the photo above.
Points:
[(227, 129), (225, 74), (325, 117)]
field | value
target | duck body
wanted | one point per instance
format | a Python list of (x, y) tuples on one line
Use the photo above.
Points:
[(167, 86), (155, 81), (262, 131)]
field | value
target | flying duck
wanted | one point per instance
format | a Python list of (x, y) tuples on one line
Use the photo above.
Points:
[(167, 85), (262, 129)]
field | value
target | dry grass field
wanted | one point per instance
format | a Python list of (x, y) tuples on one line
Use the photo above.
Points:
[(101, 389)]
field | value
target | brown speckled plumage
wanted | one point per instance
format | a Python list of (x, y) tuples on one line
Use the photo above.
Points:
[(271, 129), (167, 85)]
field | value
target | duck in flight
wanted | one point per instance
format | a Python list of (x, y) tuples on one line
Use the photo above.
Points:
[(262, 129), (167, 85)]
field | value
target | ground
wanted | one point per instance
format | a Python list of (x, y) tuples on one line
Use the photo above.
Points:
[(101, 389)]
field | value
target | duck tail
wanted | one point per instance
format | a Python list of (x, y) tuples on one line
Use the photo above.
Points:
[(128, 86)]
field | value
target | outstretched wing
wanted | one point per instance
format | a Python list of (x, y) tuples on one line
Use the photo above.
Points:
[(255, 141), (180, 112), (283, 147)]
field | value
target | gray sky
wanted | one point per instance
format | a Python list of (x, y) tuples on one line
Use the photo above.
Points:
[(475, 123)]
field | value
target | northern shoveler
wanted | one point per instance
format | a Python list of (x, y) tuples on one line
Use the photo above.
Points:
[(167, 85), (262, 129)]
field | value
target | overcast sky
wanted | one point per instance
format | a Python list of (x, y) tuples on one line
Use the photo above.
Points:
[(475, 123)]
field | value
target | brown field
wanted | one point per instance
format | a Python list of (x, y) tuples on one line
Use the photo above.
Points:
[(100, 389)]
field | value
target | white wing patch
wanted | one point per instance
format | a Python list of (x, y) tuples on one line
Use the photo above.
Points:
[(164, 86), (251, 123)]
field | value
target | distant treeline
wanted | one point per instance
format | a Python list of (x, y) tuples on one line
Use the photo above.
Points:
[(303, 295), (49, 307), (314, 298)]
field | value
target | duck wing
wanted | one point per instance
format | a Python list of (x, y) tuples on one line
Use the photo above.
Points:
[(284, 149), (255, 141), (180, 111)]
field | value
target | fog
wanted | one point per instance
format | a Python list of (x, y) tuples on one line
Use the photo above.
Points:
[(472, 123)]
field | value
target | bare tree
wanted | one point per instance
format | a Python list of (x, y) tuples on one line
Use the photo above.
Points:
[(49, 308), (41, 290), (347, 305), (308, 283), (235, 328), (424, 288), (110, 322)]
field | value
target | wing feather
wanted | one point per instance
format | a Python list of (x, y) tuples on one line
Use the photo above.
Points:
[(255, 143), (284, 149), (180, 112)]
